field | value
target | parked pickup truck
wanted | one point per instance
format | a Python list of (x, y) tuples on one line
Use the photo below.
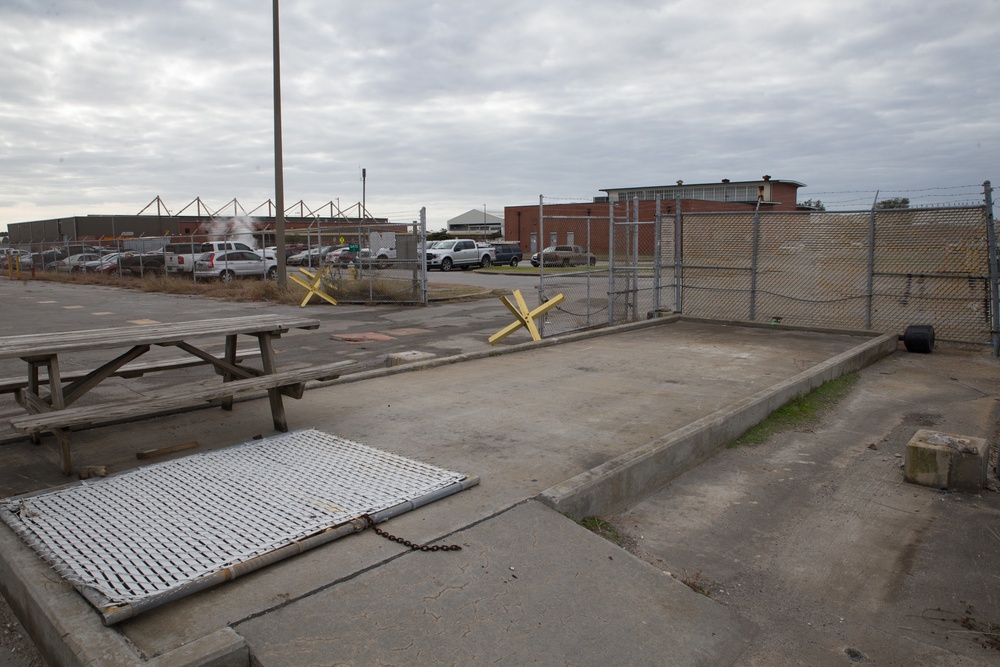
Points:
[(181, 257), (463, 253)]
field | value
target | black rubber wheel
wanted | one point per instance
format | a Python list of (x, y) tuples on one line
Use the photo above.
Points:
[(513, 261), (446, 264), (272, 273), (593, 261), (486, 263), (227, 276), (919, 338), (565, 262)]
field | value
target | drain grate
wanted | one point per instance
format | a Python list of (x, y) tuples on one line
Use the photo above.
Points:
[(146, 533)]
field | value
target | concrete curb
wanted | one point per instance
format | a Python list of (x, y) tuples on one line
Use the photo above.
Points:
[(634, 475)]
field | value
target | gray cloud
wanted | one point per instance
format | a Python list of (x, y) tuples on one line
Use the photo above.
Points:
[(451, 105)]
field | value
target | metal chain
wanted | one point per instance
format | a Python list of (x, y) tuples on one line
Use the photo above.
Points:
[(416, 547)]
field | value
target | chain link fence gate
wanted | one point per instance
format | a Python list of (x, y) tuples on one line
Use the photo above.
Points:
[(387, 264), (583, 284)]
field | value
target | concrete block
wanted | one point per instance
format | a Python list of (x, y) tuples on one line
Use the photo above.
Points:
[(400, 358), (946, 461)]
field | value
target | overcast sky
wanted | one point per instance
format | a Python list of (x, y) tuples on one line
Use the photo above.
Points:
[(457, 105)]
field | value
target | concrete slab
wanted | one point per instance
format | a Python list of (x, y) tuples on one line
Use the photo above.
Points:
[(525, 422), (528, 587), (816, 537)]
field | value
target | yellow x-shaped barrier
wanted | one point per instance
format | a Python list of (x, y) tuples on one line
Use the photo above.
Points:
[(525, 317), (314, 285)]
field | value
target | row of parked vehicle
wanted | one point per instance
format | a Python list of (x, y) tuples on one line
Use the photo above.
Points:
[(230, 260), (76, 259)]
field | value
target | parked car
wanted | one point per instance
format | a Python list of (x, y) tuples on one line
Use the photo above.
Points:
[(312, 257), (462, 253), (333, 257), (106, 264), (508, 253), (345, 257), (6, 255), (75, 263), (231, 264), (564, 255)]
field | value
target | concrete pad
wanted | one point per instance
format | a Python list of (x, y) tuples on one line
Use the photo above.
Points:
[(528, 587), (409, 357), (946, 461), (525, 418)]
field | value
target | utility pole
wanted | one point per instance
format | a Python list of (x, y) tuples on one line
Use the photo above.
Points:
[(279, 180)]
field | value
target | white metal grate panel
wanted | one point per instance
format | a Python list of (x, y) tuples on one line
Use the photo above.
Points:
[(155, 529)]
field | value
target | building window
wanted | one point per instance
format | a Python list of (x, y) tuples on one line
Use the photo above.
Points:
[(534, 242), (570, 237), (553, 238)]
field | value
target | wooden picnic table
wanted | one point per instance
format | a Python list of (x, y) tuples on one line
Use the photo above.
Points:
[(51, 411)]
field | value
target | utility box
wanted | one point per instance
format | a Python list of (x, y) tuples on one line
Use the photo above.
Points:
[(946, 461)]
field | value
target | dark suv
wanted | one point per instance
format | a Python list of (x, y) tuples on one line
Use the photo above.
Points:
[(508, 253)]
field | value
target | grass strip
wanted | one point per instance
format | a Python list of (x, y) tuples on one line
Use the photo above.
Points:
[(799, 413)]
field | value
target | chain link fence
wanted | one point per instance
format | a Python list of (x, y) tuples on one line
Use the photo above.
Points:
[(877, 270), (374, 263), (386, 264)]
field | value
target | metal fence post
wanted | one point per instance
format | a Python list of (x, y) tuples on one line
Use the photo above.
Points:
[(678, 255), (541, 260), (871, 269), (611, 262), (994, 289), (589, 252), (422, 253), (753, 262), (633, 229), (657, 234)]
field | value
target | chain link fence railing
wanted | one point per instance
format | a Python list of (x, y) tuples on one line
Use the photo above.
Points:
[(373, 263), (878, 270)]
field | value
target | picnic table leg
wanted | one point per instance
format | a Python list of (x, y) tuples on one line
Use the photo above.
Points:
[(227, 402), (62, 437), (273, 394), (36, 438)]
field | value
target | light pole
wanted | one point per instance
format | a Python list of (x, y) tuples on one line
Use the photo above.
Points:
[(279, 180)]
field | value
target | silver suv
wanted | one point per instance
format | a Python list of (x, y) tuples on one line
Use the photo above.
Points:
[(231, 264)]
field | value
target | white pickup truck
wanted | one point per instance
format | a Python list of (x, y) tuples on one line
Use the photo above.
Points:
[(463, 253), (181, 257)]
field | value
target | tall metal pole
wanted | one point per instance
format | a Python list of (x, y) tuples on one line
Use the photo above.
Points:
[(994, 270), (279, 179)]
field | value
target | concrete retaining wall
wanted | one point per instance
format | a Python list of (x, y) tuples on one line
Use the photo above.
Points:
[(634, 475)]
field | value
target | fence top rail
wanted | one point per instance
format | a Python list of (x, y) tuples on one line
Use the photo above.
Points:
[(866, 211)]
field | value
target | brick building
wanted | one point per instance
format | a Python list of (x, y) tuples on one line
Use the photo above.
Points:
[(569, 223)]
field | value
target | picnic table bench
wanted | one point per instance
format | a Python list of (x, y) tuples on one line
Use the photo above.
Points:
[(54, 412)]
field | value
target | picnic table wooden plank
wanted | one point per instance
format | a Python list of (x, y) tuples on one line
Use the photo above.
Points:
[(186, 395), (132, 370), (148, 334)]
